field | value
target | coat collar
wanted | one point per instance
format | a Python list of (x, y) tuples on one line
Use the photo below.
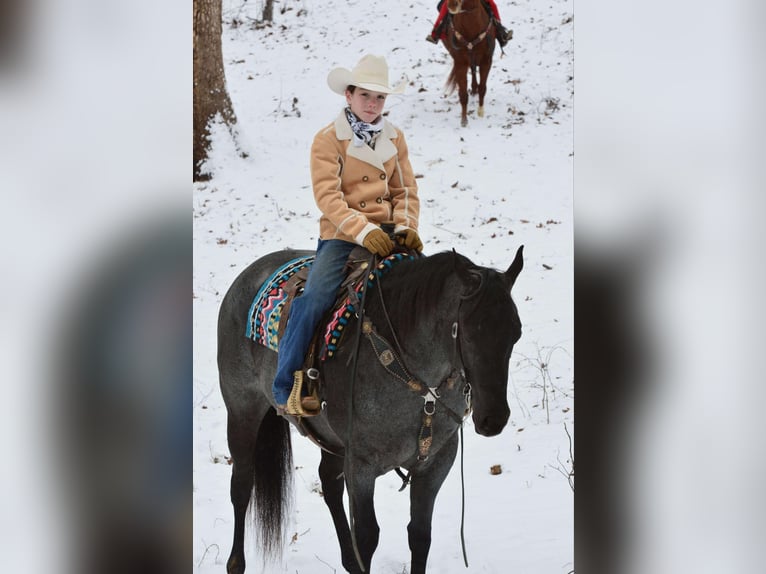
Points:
[(384, 148)]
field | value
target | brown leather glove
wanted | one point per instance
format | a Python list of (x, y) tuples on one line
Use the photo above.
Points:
[(410, 239), (378, 242)]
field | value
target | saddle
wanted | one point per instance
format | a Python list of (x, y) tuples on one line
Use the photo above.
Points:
[(270, 311)]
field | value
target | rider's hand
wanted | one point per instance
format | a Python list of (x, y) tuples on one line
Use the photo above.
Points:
[(410, 239), (378, 242)]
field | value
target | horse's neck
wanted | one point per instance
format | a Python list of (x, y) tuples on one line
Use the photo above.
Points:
[(428, 344)]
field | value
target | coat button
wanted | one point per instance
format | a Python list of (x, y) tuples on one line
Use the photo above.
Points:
[(362, 204), (382, 176), (378, 200), (365, 178)]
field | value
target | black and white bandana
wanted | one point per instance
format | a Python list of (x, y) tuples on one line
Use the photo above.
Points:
[(364, 133)]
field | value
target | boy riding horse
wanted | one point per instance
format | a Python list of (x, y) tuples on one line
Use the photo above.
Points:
[(438, 31)]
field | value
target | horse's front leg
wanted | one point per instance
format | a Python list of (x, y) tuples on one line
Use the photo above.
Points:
[(424, 487), (331, 475), (474, 83), (483, 75), (462, 85), (360, 481)]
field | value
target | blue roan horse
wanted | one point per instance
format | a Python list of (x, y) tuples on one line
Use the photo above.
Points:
[(451, 326)]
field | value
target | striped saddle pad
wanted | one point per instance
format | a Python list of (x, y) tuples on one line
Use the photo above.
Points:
[(266, 311)]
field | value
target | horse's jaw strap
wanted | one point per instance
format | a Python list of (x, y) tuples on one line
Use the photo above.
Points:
[(461, 366), (468, 398)]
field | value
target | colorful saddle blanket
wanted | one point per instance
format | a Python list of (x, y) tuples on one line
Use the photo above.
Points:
[(266, 309), (265, 314)]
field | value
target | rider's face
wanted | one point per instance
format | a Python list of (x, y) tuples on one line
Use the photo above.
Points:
[(366, 104)]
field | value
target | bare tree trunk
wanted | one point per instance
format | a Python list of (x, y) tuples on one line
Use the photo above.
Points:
[(268, 11), (210, 94)]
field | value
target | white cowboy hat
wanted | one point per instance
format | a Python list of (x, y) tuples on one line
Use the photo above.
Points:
[(371, 73)]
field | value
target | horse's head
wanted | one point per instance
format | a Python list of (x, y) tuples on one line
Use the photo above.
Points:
[(489, 327), (454, 6), (458, 6)]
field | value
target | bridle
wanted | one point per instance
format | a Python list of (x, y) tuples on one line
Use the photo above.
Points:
[(389, 357)]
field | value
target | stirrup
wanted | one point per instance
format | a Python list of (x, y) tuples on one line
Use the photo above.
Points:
[(301, 406)]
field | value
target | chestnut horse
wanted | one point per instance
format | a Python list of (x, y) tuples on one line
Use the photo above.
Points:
[(471, 42)]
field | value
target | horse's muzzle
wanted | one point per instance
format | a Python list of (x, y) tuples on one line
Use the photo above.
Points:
[(492, 423)]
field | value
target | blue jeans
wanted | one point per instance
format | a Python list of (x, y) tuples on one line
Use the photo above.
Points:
[(306, 311)]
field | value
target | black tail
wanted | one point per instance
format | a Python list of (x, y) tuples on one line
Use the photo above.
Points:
[(272, 484)]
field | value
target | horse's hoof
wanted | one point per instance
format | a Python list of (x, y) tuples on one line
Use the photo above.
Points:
[(235, 566), (480, 113), (464, 122)]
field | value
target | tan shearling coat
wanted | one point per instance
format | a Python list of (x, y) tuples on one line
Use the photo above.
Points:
[(358, 188)]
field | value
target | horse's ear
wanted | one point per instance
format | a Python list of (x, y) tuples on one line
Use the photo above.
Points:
[(468, 276), (515, 268)]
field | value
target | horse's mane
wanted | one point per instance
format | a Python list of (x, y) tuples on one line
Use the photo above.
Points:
[(413, 287)]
